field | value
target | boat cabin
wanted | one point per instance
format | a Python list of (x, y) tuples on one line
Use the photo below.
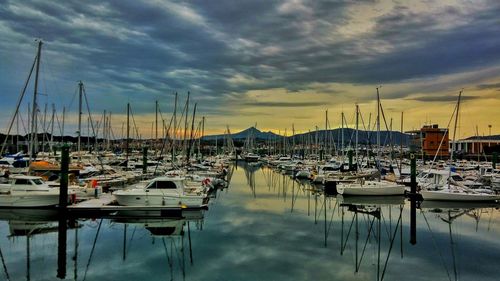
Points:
[(25, 183), (165, 183)]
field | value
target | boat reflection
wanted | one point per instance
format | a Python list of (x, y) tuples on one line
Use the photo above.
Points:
[(174, 232), (377, 225), (449, 212)]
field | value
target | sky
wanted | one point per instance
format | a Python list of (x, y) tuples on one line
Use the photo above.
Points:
[(270, 63)]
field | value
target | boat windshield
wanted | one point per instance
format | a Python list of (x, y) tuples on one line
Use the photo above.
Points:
[(162, 185), (21, 182), (37, 181)]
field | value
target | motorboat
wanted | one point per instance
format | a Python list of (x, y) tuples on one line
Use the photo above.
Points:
[(28, 191), (458, 193), (165, 192), (251, 157)]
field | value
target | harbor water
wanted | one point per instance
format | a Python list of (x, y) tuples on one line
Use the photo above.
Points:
[(264, 226)]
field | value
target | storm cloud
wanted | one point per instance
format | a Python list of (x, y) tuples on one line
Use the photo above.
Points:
[(141, 51)]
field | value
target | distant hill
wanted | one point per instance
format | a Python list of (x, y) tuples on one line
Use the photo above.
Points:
[(244, 134), (336, 134)]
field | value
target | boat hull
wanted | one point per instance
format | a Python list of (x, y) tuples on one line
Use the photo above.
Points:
[(458, 196), (29, 200), (370, 191), (167, 201)]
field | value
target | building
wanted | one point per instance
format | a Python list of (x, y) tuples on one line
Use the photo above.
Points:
[(477, 145), (431, 140)]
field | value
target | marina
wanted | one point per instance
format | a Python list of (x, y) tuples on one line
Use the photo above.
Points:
[(350, 238), (257, 140)]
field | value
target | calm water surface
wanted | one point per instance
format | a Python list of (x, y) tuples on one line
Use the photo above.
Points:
[(265, 226)]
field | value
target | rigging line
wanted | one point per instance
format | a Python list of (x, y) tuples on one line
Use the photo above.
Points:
[(4, 265), (385, 224), (331, 217), (130, 240), (135, 125), (347, 236), (169, 261), (178, 250), (387, 128), (452, 250), (366, 242), (435, 245), (16, 111), (442, 139), (25, 128), (48, 66), (92, 250), (393, 238), (88, 110), (73, 98)]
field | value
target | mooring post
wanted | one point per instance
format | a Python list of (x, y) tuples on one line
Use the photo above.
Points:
[(413, 173), (349, 155), (63, 202), (63, 190), (62, 245), (413, 197), (144, 160)]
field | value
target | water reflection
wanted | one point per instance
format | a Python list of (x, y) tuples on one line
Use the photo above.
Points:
[(369, 210), (265, 226)]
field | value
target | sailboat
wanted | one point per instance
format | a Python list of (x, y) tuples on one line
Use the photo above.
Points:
[(451, 191), (368, 187)]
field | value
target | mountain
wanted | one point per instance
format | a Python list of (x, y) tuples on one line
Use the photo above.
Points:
[(336, 134), (364, 137), (244, 134)]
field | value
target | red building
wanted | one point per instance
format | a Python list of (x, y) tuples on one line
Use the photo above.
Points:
[(432, 140)]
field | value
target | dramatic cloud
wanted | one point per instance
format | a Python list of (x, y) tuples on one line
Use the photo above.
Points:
[(284, 104), (442, 98), (142, 51)]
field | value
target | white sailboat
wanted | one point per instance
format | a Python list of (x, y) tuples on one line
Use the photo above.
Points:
[(371, 188), (380, 187)]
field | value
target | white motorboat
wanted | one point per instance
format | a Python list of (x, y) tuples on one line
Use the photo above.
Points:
[(371, 188), (457, 193), (251, 157), (165, 192), (27, 191), (303, 173)]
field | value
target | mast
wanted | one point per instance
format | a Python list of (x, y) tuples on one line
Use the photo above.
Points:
[(185, 146), (44, 126), (401, 147), (80, 95), (175, 130), (378, 130), (202, 135), (62, 126), (325, 146), (357, 127), (128, 132), (52, 126), (454, 133), (34, 126), (342, 133), (188, 151), (156, 125), (293, 140)]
